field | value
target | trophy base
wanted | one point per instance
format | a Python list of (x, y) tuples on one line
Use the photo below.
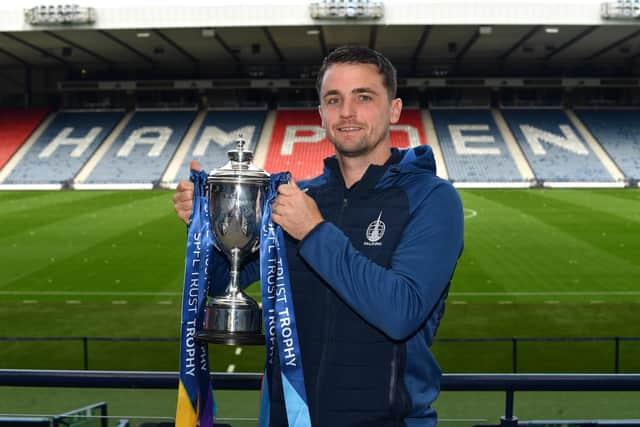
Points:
[(231, 338)]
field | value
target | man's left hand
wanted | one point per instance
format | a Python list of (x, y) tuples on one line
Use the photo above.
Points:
[(294, 211)]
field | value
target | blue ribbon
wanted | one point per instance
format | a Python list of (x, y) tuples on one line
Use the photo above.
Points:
[(279, 318), (194, 355)]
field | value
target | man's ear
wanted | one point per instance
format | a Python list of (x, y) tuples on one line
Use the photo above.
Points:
[(396, 109), (321, 116)]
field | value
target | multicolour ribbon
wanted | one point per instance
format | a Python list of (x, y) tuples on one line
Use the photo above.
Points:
[(196, 405)]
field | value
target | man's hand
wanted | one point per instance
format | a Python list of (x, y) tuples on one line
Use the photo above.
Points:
[(294, 211), (183, 198)]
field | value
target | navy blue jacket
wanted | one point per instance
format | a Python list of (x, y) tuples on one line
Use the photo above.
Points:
[(369, 287)]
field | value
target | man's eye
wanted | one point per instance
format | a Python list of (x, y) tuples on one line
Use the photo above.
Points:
[(331, 101), (364, 98)]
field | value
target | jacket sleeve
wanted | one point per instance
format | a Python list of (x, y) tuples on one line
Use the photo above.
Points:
[(399, 299)]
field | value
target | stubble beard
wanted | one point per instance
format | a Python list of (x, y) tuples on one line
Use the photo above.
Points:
[(361, 148)]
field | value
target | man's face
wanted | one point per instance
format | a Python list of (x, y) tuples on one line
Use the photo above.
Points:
[(356, 110)]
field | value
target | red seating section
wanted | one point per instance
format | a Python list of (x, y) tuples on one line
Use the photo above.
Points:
[(301, 150), (15, 127)]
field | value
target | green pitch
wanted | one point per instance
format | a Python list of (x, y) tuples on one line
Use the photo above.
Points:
[(537, 263)]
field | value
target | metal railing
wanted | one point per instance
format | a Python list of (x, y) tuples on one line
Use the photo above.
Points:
[(509, 383), (615, 341), (515, 342)]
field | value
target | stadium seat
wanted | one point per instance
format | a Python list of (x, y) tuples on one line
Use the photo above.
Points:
[(217, 135), (298, 143), (554, 148), (142, 151), (15, 127), (472, 147), (618, 131), (64, 146)]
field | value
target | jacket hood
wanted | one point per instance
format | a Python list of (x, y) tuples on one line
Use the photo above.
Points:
[(417, 159)]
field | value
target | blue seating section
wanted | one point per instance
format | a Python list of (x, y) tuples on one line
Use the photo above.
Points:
[(64, 147), (554, 148), (618, 131), (142, 151), (473, 149), (217, 135)]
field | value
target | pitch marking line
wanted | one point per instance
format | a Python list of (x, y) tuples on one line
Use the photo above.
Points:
[(119, 302), (238, 351), (73, 301), (29, 301), (90, 293), (231, 368), (451, 294), (557, 293), (470, 213)]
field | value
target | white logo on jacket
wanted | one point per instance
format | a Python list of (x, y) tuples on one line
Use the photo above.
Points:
[(375, 232)]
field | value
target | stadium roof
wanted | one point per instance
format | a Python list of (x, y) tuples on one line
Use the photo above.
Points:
[(280, 39)]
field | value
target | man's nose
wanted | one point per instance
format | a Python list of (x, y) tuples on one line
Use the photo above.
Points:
[(348, 108)]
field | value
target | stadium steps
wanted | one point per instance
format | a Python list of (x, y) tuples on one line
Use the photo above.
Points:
[(262, 147), (595, 146), (514, 149), (168, 179), (20, 153), (434, 143), (83, 174)]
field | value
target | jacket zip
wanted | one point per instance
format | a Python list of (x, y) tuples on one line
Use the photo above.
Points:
[(328, 327)]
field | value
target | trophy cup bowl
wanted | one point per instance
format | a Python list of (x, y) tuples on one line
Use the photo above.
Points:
[(236, 192)]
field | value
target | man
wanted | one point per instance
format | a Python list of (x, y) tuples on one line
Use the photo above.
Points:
[(372, 244)]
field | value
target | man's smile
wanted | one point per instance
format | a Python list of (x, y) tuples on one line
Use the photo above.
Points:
[(349, 128)]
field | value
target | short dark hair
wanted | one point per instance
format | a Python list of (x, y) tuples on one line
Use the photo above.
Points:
[(361, 55)]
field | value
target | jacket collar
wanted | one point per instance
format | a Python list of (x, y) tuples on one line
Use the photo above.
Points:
[(413, 160), (371, 176)]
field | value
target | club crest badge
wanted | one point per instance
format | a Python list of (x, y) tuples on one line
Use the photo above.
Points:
[(375, 232)]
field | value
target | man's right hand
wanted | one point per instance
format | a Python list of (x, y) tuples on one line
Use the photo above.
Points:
[(183, 198)]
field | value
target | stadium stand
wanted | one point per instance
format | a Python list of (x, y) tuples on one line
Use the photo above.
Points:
[(618, 131), (63, 147), (15, 127), (142, 151), (473, 148), (298, 143), (215, 136), (554, 148)]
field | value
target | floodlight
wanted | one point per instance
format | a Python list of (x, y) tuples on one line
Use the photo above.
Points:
[(346, 9), (621, 9), (65, 14)]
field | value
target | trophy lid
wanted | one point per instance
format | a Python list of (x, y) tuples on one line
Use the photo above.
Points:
[(239, 168)]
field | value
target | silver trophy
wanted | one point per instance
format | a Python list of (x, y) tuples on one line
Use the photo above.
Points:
[(236, 193)]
